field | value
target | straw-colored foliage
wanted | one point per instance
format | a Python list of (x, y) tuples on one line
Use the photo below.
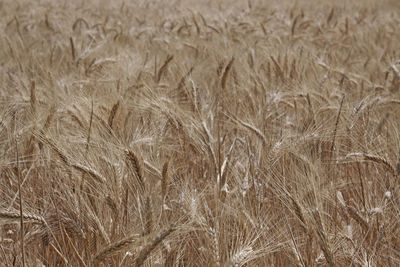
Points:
[(200, 133)]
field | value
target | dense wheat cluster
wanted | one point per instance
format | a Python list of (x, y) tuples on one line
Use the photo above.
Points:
[(200, 133)]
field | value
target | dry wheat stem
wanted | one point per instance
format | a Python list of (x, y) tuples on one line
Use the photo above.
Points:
[(298, 254), (323, 241), (21, 213), (33, 99)]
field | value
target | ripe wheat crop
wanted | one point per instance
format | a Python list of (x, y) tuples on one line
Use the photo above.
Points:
[(200, 133)]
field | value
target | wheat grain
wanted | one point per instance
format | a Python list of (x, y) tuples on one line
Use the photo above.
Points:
[(115, 248), (136, 164), (112, 114), (224, 78), (14, 217), (148, 223), (163, 68), (146, 251), (165, 180)]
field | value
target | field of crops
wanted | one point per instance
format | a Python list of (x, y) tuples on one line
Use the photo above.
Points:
[(200, 133)]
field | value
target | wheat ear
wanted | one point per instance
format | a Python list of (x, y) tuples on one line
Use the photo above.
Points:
[(165, 179), (146, 251), (136, 164), (114, 248), (14, 217), (224, 78), (112, 114)]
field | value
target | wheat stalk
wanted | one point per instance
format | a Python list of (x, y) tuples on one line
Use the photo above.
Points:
[(319, 228), (33, 99), (73, 52), (22, 230), (299, 213), (335, 130)]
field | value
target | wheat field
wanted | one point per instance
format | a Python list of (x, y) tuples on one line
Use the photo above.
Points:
[(200, 133)]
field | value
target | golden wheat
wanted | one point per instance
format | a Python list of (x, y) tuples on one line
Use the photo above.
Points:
[(203, 133)]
